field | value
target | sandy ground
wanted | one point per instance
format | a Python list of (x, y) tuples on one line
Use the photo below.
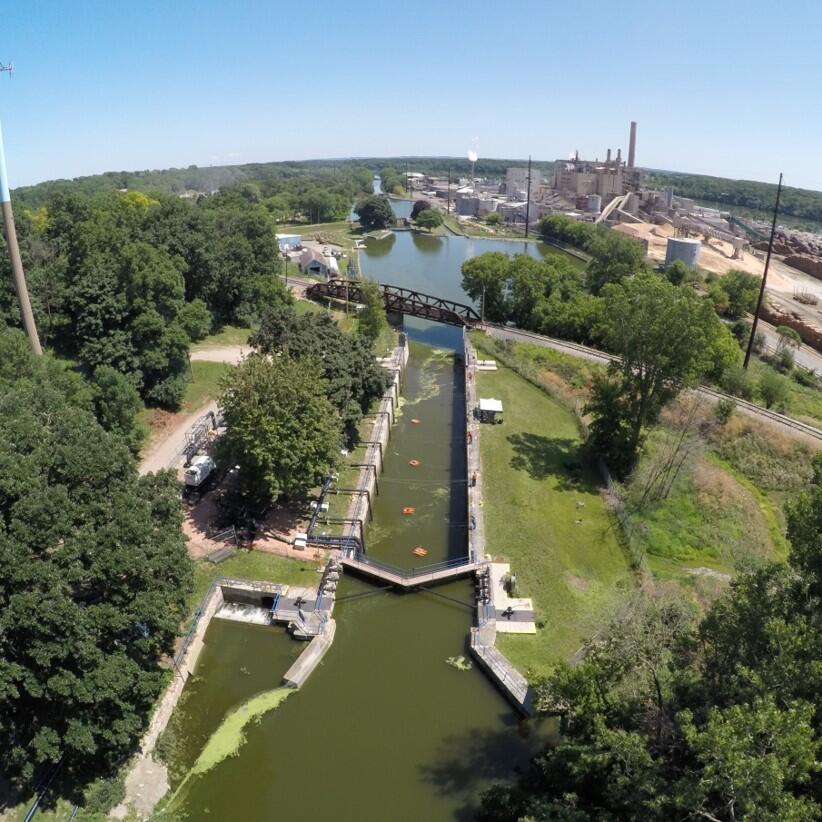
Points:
[(278, 531), (165, 453), (221, 353), (783, 281)]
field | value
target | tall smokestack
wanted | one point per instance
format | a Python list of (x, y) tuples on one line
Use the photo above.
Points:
[(14, 255), (632, 146), (608, 158)]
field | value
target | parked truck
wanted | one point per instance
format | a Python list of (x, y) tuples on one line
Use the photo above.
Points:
[(198, 471)]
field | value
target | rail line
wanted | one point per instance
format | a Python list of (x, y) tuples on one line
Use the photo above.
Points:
[(712, 394)]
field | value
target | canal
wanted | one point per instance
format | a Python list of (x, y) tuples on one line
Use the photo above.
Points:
[(385, 728)]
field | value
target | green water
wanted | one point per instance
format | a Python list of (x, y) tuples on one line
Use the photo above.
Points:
[(385, 728)]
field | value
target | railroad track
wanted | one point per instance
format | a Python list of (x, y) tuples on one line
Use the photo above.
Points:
[(712, 394)]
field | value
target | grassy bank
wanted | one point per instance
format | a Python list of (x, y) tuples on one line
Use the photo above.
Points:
[(227, 335), (545, 515), (253, 565), (722, 513)]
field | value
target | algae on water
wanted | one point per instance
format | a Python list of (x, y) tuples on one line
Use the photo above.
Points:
[(459, 662), (228, 738)]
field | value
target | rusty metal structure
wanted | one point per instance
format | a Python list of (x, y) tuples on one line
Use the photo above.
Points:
[(399, 301)]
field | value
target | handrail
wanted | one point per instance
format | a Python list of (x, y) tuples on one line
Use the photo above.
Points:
[(412, 573)]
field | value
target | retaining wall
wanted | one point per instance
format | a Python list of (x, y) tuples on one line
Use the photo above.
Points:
[(359, 509)]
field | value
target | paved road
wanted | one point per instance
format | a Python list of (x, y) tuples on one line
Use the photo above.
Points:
[(710, 394)]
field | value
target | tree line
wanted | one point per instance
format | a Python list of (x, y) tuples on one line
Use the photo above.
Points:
[(802, 203), (94, 573), (128, 280)]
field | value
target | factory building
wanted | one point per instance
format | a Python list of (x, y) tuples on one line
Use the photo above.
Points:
[(610, 178)]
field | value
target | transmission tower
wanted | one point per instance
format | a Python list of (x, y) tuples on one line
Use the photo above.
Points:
[(11, 243)]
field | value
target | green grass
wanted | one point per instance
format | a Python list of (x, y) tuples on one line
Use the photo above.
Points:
[(205, 384), (254, 565), (535, 479), (227, 335)]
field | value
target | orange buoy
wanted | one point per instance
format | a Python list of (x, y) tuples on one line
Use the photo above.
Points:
[(409, 510), (414, 463), (415, 422), (420, 551)]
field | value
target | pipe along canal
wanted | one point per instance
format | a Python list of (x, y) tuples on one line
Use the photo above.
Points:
[(385, 728)]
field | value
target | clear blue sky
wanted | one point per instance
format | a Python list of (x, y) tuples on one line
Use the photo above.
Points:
[(719, 88)]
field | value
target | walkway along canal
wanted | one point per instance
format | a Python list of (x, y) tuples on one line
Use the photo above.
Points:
[(389, 699)]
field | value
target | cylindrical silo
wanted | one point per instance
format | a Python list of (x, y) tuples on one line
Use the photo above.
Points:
[(684, 249), (594, 204)]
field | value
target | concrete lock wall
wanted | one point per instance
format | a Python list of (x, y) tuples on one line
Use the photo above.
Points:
[(359, 509), (183, 669)]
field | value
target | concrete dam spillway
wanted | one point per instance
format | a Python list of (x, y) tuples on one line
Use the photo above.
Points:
[(385, 703)]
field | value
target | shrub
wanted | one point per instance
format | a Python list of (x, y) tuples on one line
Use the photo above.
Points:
[(807, 378), (774, 389), (724, 409), (736, 380)]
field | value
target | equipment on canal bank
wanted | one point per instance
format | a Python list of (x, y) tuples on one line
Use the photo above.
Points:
[(488, 409)]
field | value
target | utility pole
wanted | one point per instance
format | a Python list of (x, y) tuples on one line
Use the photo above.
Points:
[(528, 199), (14, 250), (764, 276), (448, 207)]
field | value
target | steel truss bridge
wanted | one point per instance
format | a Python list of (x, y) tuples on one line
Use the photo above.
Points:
[(399, 301)]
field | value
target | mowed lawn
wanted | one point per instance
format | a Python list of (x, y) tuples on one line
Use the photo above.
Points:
[(544, 514)]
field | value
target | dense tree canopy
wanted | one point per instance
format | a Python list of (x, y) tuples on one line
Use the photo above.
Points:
[(93, 573), (372, 319), (281, 429), (127, 280), (374, 212), (353, 377), (429, 218)]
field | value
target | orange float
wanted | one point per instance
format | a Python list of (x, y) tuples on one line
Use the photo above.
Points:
[(420, 551), (409, 510), (415, 422), (414, 463)]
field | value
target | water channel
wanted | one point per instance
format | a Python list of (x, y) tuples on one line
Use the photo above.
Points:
[(385, 728)]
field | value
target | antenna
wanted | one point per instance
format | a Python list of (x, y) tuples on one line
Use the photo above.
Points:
[(13, 249), (9, 67)]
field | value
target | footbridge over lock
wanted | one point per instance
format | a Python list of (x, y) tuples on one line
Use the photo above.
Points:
[(399, 301)]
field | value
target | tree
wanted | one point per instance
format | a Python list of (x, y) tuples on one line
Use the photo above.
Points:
[(281, 429), (677, 272), (493, 218), (374, 212), (196, 319), (774, 388), (484, 279), (353, 377), (94, 578), (429, 219), (614, 257), (662, 334), (742, 290), (116, 404), (372, 316), (419, 205)]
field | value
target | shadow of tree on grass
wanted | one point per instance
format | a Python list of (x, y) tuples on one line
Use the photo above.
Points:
[(544, 457)]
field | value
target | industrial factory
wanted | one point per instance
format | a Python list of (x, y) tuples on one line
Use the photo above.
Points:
[(609, 191)]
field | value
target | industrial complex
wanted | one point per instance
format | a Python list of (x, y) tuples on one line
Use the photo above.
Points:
[(611, 191)]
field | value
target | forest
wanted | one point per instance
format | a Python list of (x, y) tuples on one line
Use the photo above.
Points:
[(802, 203)]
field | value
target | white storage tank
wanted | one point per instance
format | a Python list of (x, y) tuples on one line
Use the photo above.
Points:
[(594, 204), (683, 248)]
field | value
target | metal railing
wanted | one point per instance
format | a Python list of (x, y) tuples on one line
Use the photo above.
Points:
[(412, 573)]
